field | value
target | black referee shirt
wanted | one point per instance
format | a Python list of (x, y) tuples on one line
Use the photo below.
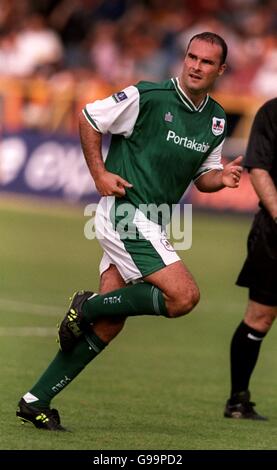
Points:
[(262, 145)]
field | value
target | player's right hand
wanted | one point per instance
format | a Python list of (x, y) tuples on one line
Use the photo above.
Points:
[(110, 184)]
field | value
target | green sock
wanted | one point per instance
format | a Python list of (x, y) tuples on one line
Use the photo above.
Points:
[(139, 299), (64, 368)]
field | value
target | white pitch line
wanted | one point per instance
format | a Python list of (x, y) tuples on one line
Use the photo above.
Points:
[(27, 331), (28, 307)]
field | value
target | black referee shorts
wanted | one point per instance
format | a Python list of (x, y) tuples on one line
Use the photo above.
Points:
[(259, 272)]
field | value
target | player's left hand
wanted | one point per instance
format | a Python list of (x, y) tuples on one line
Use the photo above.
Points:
[(231, 173)]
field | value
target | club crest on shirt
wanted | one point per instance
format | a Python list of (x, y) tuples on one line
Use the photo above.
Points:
[(168, 116), (218, 125), (120, 96)]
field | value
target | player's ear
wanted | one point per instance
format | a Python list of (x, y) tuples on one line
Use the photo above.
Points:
[(222, 69)]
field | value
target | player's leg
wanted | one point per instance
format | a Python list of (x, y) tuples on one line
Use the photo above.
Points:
[(106, 328), (180, 291), (259, 275), (35, 405), (144, 253), (246, 343), (245, 348), (172, 292)]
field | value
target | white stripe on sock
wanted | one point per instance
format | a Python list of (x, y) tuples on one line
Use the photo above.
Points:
[(255, 338), (29, 398), (91, 297)]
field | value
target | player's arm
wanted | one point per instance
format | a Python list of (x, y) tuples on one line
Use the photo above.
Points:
[(212, 176), (265, 189), (115, 114), (91, 142), (107, 183), (214, 180)]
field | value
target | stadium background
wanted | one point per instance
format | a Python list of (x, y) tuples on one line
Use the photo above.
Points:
[(161, 384)]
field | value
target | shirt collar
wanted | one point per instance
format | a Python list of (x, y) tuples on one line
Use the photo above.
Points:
[(186, 100)]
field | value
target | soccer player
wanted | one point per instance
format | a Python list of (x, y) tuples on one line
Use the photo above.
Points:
[(164, 136), (259, 272)]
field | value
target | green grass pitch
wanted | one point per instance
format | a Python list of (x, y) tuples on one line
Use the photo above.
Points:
[(162, 384)]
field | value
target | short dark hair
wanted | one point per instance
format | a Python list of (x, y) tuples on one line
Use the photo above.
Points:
[(213, 39)]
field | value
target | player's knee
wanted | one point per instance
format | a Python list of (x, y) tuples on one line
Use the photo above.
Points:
[(189, 302), (185, 304), (260, 319), (266, 322)]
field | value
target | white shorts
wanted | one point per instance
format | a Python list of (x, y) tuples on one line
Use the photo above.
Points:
[(140, 250)]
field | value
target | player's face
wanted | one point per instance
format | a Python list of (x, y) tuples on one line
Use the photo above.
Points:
[(201, 68)]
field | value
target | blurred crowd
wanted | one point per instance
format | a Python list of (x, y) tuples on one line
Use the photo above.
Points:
[(122, 41), (103, 45)]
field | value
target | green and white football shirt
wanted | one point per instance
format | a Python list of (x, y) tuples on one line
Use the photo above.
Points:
[(161, 141)]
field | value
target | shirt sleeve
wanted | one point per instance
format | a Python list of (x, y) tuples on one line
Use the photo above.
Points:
[(116, 114), (212, 162)]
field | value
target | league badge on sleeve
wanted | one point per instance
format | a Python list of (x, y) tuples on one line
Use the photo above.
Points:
[(120, 96), (218, 125)]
